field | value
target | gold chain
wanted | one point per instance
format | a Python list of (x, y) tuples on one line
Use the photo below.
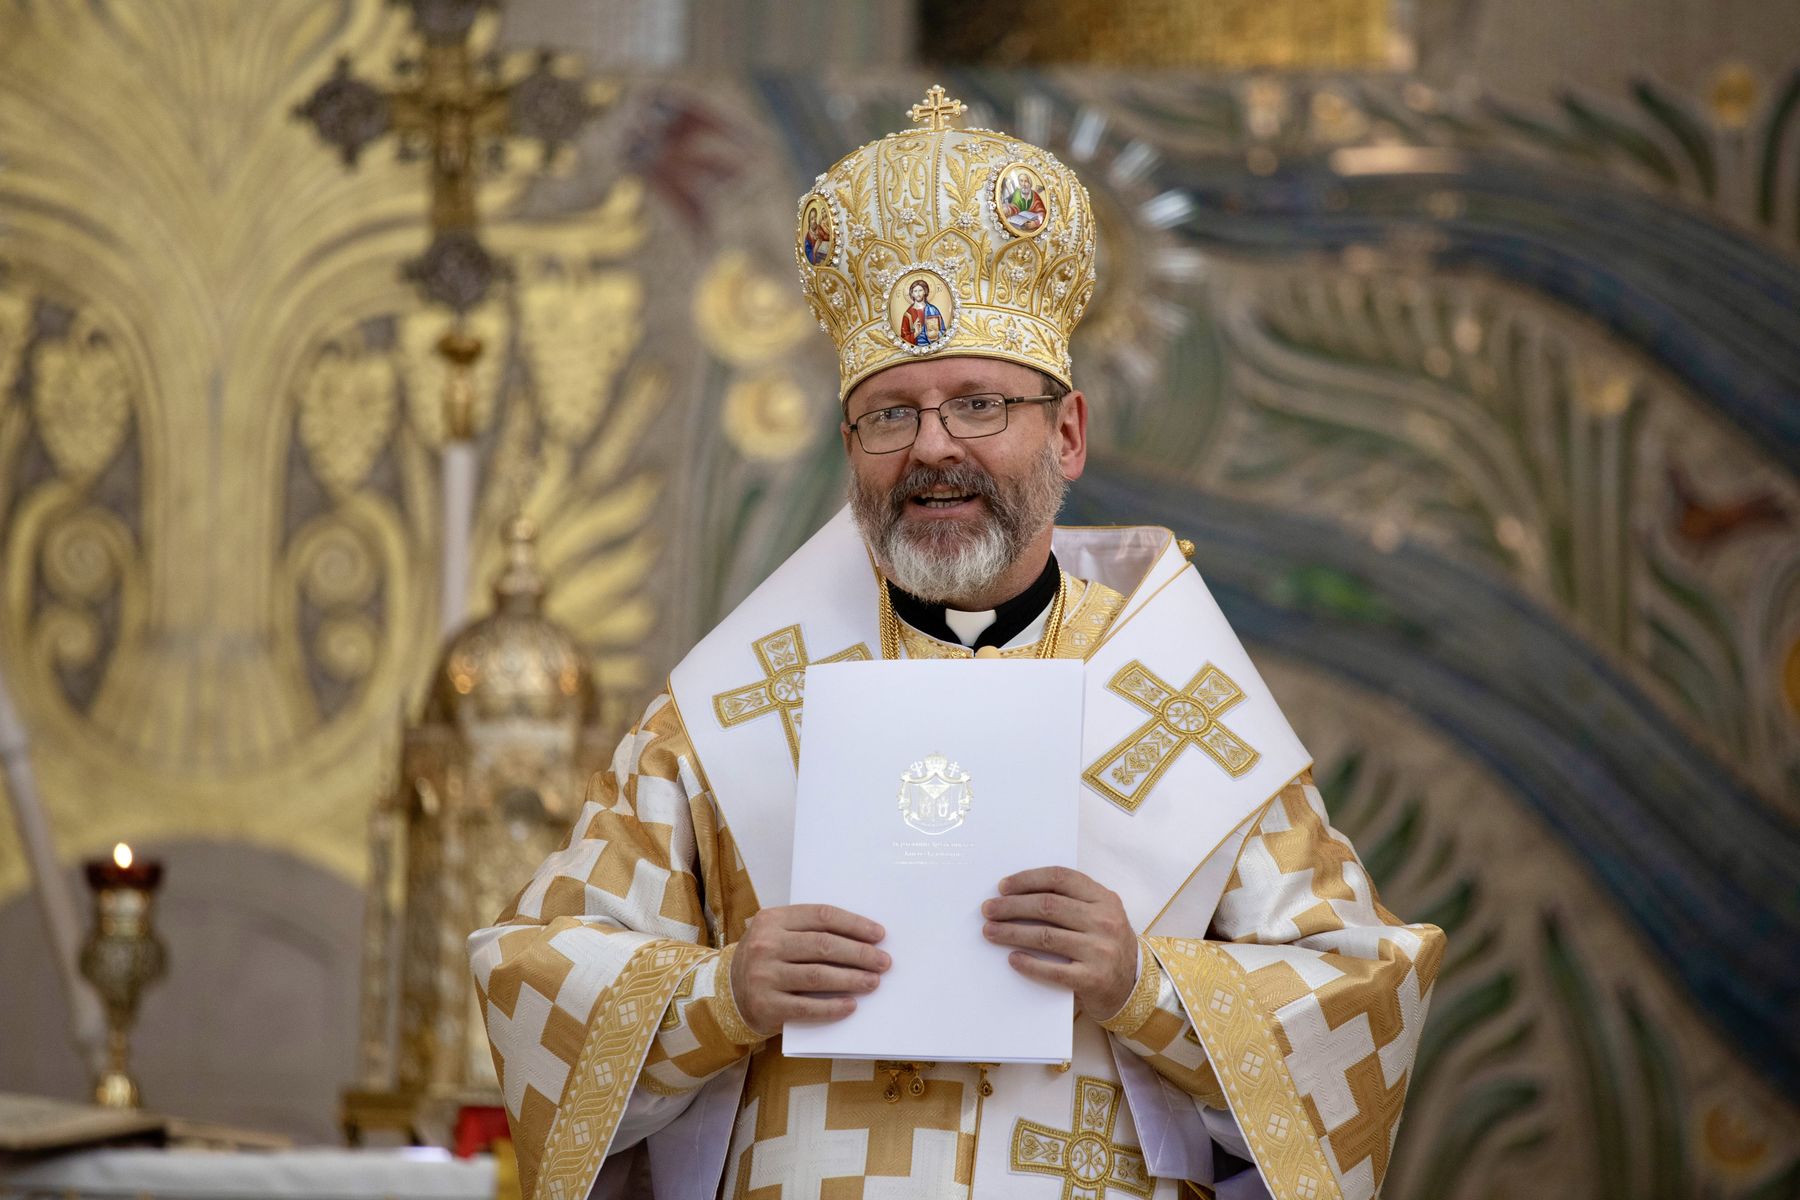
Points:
[(1047, 645)]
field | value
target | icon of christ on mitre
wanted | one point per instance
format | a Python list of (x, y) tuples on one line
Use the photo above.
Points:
[(922, 323)]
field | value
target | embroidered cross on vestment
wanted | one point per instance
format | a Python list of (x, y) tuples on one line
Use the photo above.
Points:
[(1089, 1161), (783, 686), (1126, 773)]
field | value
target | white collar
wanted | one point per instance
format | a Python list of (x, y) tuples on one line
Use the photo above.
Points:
[(967, 626)]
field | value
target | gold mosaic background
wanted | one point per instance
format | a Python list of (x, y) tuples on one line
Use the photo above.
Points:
[(223, 414), (1220, 34)]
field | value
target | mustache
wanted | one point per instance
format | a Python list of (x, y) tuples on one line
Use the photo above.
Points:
[(964, 477)]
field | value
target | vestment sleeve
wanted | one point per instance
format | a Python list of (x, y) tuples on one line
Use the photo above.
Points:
[(1308, 997), (604, 986), (1154, 1026)]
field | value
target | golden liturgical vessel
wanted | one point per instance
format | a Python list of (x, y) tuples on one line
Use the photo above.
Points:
[(489, 781)]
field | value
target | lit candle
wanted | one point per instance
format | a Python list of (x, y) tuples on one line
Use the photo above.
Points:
[(121, 956), (122, 870)]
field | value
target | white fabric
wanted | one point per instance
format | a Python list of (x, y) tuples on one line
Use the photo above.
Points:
[(1157, 857), (1047, 1096), (828, 588), (425, 1174), (687, 1155), (967, 626), (1171, 1126)]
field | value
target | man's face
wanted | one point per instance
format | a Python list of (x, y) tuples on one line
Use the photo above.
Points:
[(947, 516)]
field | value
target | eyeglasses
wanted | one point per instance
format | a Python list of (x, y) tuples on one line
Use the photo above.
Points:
[(887, 430)]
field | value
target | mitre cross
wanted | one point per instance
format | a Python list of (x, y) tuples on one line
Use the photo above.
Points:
[(936, 110)]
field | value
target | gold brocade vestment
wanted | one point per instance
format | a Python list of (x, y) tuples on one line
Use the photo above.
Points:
[(605, 988)]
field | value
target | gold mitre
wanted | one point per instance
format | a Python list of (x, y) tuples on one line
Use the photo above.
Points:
[(946, 242)]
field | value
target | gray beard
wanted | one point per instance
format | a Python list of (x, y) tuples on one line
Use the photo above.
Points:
[(942, 561)]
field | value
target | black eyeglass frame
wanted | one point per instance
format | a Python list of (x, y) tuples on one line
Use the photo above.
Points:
[(1007, 403)]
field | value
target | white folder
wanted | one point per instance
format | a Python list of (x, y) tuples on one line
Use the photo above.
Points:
[(923, 784)]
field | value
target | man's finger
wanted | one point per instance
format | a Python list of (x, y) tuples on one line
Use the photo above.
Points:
[(828, 918), (814, 946), (802, 978), (1047, 938), (1066, 881), (812, 1008), (1032, 967), (1041, 906)]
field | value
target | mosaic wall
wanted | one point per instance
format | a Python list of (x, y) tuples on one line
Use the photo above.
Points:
[(1485, 419)]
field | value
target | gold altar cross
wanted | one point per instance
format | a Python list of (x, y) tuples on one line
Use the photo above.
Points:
[(934, 112), (1126, 773), (1086, 1157), (783, 686), (457, 108)]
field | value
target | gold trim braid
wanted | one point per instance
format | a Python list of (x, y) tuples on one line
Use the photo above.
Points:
[(1248, 1056), (725, 1010), (1142, 1002), (625, 1019)]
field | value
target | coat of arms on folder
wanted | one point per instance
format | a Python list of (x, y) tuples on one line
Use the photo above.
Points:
[(934, 795)]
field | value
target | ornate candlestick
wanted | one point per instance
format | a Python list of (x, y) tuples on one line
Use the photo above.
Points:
[(122, 954)]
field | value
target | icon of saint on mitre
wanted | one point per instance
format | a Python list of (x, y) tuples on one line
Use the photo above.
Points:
[(921, 309), (1019, 200), (816, 239)]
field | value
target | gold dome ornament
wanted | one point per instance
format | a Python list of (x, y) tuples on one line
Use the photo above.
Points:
[(489, 780), (516, 662), (948, 242)]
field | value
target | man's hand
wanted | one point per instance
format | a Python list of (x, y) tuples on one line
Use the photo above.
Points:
[(1078, 919), (789, 954)]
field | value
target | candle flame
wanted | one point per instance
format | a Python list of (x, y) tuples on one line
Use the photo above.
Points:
[(122, 855)]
